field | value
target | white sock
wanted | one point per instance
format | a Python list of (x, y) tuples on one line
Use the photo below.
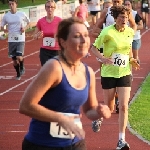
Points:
[(122, 136)]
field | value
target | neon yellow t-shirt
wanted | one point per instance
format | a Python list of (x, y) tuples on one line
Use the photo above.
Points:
[(116, 45)]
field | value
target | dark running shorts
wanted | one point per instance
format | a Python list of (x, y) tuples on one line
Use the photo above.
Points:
[(45, 55), (26, 145), (146, 10), (111, 82), (94, 12)]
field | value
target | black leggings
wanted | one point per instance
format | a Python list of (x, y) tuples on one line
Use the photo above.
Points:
[(26, 145)]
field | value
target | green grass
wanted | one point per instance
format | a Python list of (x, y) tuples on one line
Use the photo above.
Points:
[(139, 112), (25, 3)]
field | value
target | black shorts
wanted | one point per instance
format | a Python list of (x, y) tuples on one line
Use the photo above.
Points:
[(94, 12), (111, 82), (26, 145), (146, 10), (45, 55)]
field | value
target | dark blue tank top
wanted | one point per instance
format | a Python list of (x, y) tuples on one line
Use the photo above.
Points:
[(62, 98)]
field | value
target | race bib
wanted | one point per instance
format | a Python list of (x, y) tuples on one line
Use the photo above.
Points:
[(145, 5), (57, 131), (120, 60), (15, 37), (48, 41)]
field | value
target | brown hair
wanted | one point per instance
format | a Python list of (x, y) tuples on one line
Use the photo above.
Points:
[(131, 2), (50, 1), (64, 28), (13, 1), (116, 10)]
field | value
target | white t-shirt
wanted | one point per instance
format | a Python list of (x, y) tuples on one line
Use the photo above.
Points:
[(109, 18), (137, 35), (15, 22), (95, 6)]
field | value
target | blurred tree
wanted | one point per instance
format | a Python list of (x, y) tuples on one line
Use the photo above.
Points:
[(4, 1), (33, 1)]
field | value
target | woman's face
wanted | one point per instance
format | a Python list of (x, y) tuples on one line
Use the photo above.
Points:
[(122, 20), (107, 5), (128, 4), (117, 2), (78, 41), (50, 7)]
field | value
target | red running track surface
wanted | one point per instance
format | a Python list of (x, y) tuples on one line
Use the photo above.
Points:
[(13, 126)]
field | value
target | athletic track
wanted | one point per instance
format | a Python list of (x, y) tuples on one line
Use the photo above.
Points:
[(13, 126)]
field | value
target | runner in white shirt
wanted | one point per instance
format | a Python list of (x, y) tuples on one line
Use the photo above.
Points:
[(94, 7), (17, 22)]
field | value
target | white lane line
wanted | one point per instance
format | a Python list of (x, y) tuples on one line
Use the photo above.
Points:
[(24, 57), (97, 71), (9, 109), (3, 49), (16, 86), (145, 32), (15, 131), (7, 46)]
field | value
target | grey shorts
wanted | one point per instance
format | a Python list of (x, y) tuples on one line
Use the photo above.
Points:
[(136, 44), (16, 48)]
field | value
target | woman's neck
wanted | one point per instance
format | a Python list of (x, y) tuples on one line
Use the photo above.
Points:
[(49, 18), (69, 62), (118, 28)]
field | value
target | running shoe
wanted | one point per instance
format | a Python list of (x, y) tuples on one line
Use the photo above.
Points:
[(18, 77), (22, 71), (98, 59), (146, 27), (122, 145), (97, 124), (87, 55)]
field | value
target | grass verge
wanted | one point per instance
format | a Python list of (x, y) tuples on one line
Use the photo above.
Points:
[(25, 3), (139, 112)]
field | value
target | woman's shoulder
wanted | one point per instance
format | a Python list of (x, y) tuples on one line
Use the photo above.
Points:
[(42, 19), (52, 65)]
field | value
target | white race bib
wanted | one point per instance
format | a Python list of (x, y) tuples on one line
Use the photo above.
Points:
[(48, 41), (13, 37), (57, 131), (120, 60)]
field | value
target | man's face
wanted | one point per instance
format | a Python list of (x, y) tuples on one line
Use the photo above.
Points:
[(12, 5)]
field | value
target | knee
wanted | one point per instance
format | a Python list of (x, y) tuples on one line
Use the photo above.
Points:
[(124, 108)]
